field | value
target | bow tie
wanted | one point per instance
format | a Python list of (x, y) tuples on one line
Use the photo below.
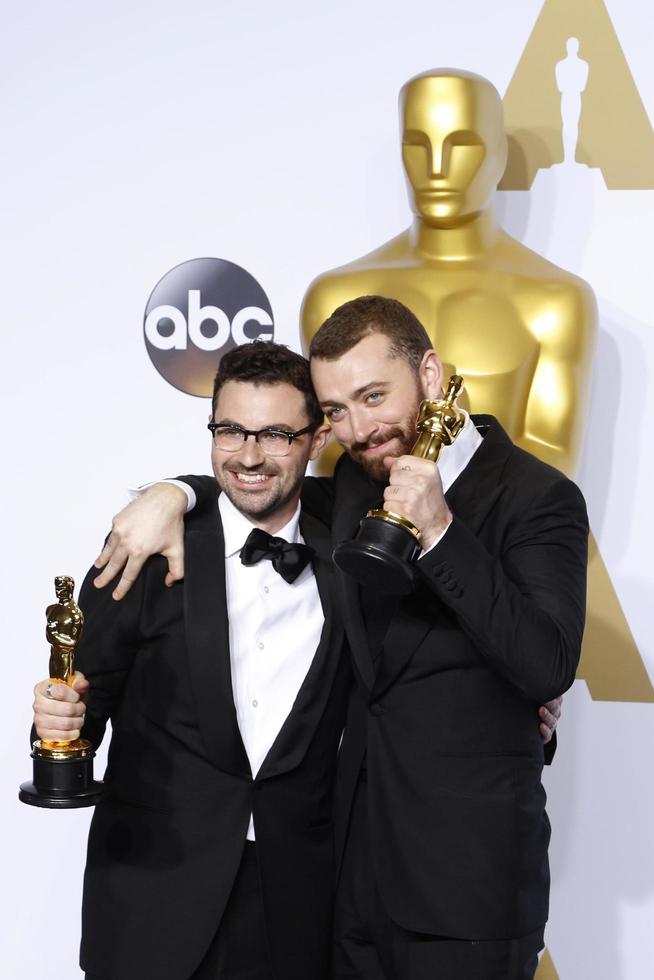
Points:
[(287, 559)]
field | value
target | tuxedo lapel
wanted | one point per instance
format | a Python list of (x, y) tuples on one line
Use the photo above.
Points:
[(207, 637), (295, 735), (471, 498), (477, 489), (356, 493)]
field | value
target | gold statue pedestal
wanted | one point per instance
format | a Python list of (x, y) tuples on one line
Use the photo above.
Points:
[(62, 776), (383, 553)]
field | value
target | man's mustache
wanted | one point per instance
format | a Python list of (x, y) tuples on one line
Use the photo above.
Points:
[(259, 470), (395, 433)]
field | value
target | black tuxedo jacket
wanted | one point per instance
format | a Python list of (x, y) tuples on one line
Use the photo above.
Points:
[(166, 840), (449, 682)]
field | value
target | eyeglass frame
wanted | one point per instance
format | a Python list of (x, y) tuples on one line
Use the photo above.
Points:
[(213, 426)]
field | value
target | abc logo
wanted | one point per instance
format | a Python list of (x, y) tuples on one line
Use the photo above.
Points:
[(198, 311)]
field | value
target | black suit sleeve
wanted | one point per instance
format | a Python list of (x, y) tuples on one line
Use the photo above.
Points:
[(106, 651), (317, 493), (204, 487), (318, 497), (523, 609)]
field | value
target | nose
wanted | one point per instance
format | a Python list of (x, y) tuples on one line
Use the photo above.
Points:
[(437, 159), (362, 426), (251, 453)]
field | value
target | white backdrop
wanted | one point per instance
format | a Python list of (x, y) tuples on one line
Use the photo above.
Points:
[(139, 135)]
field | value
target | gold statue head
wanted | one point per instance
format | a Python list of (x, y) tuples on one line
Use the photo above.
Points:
[(454, 146), (64, 586)]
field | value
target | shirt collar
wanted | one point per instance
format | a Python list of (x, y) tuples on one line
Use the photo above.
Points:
[(237, 527), (455, 457)]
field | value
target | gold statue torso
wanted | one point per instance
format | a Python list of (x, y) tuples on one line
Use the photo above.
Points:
[(64, 622), (517, 328)]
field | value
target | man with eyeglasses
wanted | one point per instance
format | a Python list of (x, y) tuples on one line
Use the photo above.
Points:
[(211, 853)]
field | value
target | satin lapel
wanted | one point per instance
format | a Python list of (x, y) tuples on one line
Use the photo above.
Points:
[(207, 638), (297, 731), (355, 627), (355, 494), (471, 498), (476, 491)]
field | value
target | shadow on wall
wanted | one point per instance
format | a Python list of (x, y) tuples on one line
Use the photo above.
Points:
[(602, 818), (541, 217)]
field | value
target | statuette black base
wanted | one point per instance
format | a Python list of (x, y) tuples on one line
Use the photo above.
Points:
[(62, 784), (380, 557)]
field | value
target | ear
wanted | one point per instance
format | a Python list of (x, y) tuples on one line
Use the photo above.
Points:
[(430, 373), (321, 437)]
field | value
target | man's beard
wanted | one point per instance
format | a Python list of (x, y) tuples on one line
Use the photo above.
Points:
[(258, 506), (405, 437)]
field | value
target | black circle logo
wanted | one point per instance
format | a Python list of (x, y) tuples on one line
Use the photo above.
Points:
[(198, 311)]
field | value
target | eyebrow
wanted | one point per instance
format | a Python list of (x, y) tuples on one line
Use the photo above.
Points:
[(281, 426), (356, 393)]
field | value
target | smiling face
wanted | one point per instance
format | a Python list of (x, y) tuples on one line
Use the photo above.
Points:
[(453, 145), (265, 489), (371, 399)]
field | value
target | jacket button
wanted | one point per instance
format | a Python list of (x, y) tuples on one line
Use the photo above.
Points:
[(376, 710)]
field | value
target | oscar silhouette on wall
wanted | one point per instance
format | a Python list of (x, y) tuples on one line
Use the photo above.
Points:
[(571, 78), (615, 135)]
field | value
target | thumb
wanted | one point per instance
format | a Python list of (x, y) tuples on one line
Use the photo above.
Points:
[(175, 567), (80, 683)]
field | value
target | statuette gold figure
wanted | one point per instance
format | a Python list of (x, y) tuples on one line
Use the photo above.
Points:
[(63, 630), (63, 769)]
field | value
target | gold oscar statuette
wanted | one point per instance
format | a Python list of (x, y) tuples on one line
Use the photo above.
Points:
[(62, 770), (387, 544)]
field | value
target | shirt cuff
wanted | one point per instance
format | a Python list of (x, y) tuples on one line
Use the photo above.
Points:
[(440, 537), (135, 492)]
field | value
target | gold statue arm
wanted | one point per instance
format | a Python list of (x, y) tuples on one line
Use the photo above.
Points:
[(557, 405)]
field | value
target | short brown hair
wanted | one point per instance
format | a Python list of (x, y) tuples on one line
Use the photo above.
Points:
[(367, 315), (266, 363)]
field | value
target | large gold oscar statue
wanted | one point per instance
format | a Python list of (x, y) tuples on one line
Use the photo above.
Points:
[(517, 328)]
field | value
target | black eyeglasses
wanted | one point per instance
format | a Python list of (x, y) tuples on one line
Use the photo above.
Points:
[(273, 442)]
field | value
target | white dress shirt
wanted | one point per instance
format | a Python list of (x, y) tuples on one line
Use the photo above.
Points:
[(274, 632), (454, 459)]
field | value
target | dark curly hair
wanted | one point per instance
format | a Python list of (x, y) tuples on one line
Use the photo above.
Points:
[(265, 363), (367, 315)]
